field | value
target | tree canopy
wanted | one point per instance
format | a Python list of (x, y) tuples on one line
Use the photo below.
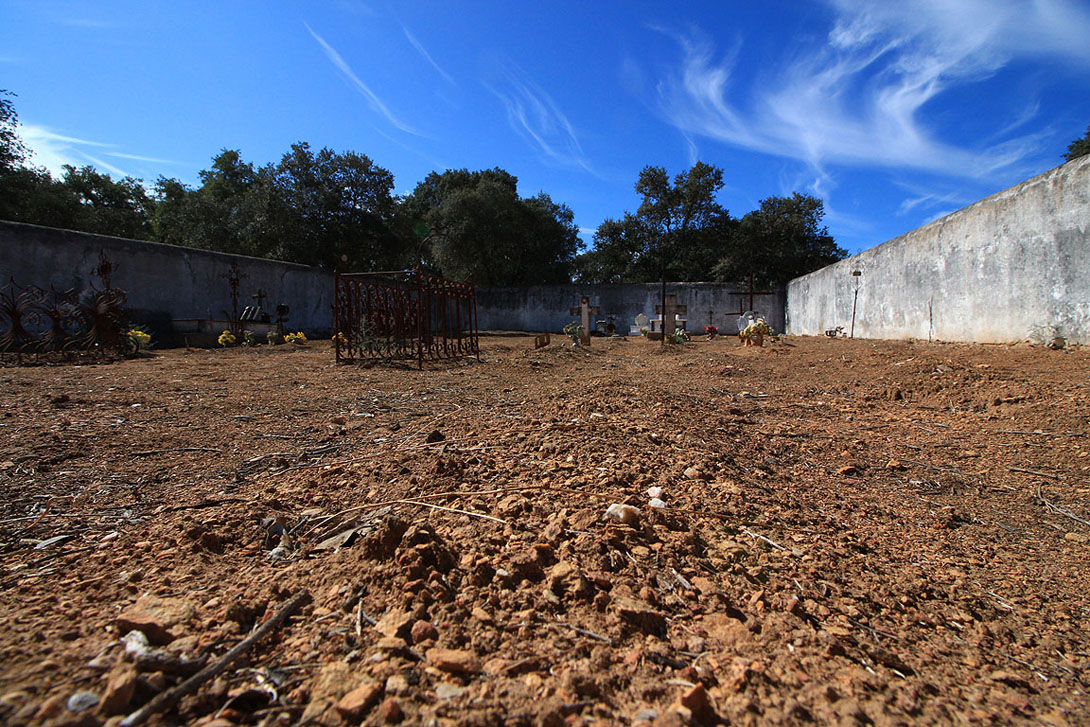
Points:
[(478, 228), (1079, 147), (680, 232), (338, 210)]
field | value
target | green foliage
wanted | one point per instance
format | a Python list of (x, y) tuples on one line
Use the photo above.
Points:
[(106, 207), (481, 230), (781, 240), (330, 209), (1078, 147), (679, 232), (13, 152)]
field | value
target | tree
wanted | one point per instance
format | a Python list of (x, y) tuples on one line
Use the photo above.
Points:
[(332, 210), (13, 152), (479, 229), (107, 207), (676, 233), (1078, 147), (779, 241)]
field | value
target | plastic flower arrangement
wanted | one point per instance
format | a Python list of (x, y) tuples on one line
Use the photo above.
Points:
[(138, 339), (340, 338), (754, 333), (712, 331), (573, 331), (272, 338), (298, 338), (248, 338), (227, 339)]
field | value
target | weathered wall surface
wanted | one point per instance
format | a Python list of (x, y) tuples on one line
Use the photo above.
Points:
[(163, 282), (547, 307), (996, 271)]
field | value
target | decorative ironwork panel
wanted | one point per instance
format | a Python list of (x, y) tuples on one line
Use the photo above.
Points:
[(404, 315), (38, 324)]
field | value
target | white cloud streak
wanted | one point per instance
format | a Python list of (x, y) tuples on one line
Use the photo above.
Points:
[(373, 100), (427, 56), (53, 150), (859, 97), (534, 115)]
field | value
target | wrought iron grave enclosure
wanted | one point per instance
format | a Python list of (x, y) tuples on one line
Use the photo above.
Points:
[(405, 314), (50, 324)]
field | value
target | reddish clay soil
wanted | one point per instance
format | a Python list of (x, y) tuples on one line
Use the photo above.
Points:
[(855, 532)]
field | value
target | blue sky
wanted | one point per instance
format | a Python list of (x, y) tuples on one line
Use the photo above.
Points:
[(895, 113)]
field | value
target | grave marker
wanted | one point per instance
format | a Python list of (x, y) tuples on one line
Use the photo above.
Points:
[(584, 311), (541, 341), (670, 314)]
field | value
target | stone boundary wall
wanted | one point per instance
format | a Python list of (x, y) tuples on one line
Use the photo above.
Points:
[(167, 283), (1012, 266), (547, 307), (164, 282)]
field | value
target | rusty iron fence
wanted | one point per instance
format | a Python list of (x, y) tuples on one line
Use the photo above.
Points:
[(38, 324), (404, 315), (48, 325)]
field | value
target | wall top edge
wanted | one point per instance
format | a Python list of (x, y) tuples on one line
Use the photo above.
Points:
[(1075, 166), (176, 249)]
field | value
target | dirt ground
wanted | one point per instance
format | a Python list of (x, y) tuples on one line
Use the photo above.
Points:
[(854, 532)]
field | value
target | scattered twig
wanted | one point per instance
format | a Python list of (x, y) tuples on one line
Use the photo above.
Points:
[(937, 468), (152, 452), (777, 546), (1034, 472), (1041, 434), (584, 632), (165, 700), (450, 509), (1059, 510)]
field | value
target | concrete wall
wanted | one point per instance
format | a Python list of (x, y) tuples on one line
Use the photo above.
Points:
[(547, 307), (164, 282), (996, 271)]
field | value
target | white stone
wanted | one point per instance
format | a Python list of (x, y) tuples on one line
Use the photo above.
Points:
[(626, 514), (655, 493), (657, 503)]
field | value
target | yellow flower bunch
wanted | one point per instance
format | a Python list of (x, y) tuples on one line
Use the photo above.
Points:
[(339, 337), (227, 339), (756, 328), (298, 337), (140, 339)]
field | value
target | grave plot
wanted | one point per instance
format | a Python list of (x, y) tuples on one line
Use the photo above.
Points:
[(821, 531)]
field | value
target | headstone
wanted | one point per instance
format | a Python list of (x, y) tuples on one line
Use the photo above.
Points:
[(541, 341), (584, 311), (670, 314)]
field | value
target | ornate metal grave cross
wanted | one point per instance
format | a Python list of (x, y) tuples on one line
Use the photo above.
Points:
[(584, 311), (670, 314)]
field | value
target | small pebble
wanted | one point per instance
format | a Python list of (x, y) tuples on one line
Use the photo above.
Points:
[(622, 514), (82, 701), (657, 503), (655, 493)]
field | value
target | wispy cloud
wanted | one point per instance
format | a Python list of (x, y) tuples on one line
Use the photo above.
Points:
[(140, 158), (858, 96), (373, 100), (53, 150), (427, 56), (102, 164), (534, 115)]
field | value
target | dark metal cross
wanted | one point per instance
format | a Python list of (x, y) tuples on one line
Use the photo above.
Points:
[(259, 296)]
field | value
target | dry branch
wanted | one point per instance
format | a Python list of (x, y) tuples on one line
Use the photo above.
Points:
[(170, 697)]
